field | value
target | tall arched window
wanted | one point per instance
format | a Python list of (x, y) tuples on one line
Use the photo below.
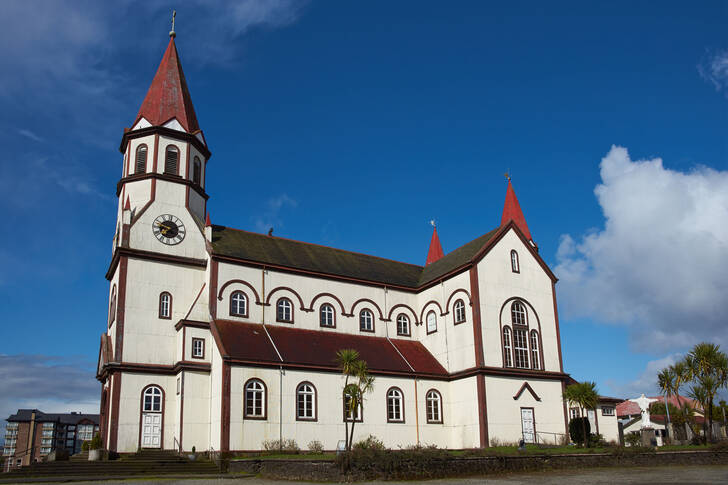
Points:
[(535, 357), (459, 310), (507, 359), (520, 347), (171, 160), (306, 402), (433, 401), (284, 310), (152, 399), (431, 322), (327, 316), (196, 170), (238, 304), (112, 306), (514, 262), (518, 314), (165, 305), (366, 320), (395, 405), (255, 400), (140, 164), (403, 325)]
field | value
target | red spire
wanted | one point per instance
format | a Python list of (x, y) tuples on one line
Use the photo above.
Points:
[(207, 220), (127, 206), (168, 96), (512, 211), (435, 251)]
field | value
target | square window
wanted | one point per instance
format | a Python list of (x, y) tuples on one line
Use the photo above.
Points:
[(198, 348)]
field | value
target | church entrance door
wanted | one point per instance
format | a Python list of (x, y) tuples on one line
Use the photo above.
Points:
[(527, 425), (151, 430)]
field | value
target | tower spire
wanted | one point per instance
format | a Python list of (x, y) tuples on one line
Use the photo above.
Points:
[(512, 211), (435, 251)]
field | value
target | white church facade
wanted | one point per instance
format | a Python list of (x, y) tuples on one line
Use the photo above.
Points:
[(221, 339)]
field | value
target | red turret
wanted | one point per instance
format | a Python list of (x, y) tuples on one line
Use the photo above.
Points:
[(127, 206), (435, 251), (512, 212), (168, 96), (207, 220)]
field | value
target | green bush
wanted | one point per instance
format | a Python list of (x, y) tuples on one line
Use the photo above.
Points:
[(414, 461), (576, 429), (633, 439), (84, 445), (370, 443), (95, 443)]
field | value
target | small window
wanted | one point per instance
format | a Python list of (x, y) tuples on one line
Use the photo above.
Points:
[(574, 413), (152, 400), (165, 305), (196, 170), (255, 400), (198, 348), (349, 413), (459, 308), (431, 322), (507, 359), (395, 405), (434, 406), (140, 166), (305, 402), (284, 310), (238, 304), (112, 306), (179, 385), (518, 313), (520, 348), (326, 316), (514, 262), (366, 320), (535, 357), (403, 325), (171, 159), (607, 410)]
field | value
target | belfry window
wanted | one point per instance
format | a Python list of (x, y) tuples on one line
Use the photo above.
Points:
[(196, 170), (284, 310), (366, 321), (171, 159), (140, 165)]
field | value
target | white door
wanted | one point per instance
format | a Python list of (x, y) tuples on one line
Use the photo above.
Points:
[(151, 430), (592, 421), (529, 433)]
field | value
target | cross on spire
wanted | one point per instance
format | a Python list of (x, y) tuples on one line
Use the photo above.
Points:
[(172, 33)]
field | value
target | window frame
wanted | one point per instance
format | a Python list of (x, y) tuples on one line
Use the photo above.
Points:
[(330, 307), (147, 390), (612, 411), (112, 306), (362, 318), (196, 171), (201, 341), (168, 316), (535, 349), (400, 404), (167, 150), (232, 303), (427, 322), (460, 309), (314, 402), (515, 262), (434, 392), (518, 310), (137, 160), (507, 346), (282, 300), (264, 400), (523, 352), (409, 327)]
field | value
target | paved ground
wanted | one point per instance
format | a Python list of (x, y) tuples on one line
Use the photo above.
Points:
[(648, 476)]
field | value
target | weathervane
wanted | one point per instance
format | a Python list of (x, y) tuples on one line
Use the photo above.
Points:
[(432, 223), (508, 175), (172, 32)]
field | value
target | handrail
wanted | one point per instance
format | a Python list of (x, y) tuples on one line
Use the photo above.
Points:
[(178, 446)]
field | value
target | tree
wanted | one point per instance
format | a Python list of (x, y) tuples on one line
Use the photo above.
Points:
[(666, 380), (708, 369), (356, 370), (346, 360), (584, 395)]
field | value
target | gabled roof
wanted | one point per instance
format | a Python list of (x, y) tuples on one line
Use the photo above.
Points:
[(168, 96), (435, 251), (248, 342), (24, 415), (276, 251)]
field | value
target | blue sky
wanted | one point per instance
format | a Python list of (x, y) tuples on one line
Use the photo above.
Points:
[(352, 125)]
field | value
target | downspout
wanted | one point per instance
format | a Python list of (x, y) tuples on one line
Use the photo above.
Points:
[(417, 414), (281, 371), (444, 325)]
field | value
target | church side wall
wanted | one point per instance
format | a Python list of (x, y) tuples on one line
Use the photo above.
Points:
[(196, 417), (215, 402), (462, 414), (132, 385), (608, 425)]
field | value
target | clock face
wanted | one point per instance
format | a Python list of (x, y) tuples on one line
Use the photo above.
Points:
[(168, 229)]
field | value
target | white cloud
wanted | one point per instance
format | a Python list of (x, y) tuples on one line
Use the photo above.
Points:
[(659, 263), (270, 216), (31, 135), (714, 69), (646, 382)]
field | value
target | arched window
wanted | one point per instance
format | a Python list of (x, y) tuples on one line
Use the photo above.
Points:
[(366, 320), (507, 359), (459, 308), (518, 314), (165, 305), (140, 165), (152, 399), (255, 400), (306, 402), (196, 170), (284, 310), (112, 306), (349, 413), (403, 325), (395, 405), (431, 322), (327, 316), (520, 347), (238, 304), (171, 159), (434, 406), (535, 358), (514, 262)]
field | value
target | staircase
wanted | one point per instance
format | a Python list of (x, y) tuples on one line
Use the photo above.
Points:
[(146, 462)]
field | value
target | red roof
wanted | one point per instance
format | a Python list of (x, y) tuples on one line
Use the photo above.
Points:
[(168, 96), (435, 251), (512, 211), (629, 408), (317, 348)]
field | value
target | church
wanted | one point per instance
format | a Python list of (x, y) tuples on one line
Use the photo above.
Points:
[(221, 339)]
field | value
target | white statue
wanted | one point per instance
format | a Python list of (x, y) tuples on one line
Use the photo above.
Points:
[(644, 404)]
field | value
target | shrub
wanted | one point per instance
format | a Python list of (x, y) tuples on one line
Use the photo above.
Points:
[(285, 445), (597, 440), (84, 445), (633, 439), (315, 446), (576, 429), (95, 443), (370, 443)]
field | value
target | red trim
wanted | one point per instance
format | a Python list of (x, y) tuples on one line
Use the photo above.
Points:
[(422, 313), (225, 409), (121, 305), (482, 411), (558, 331), (157, 130), (151, 256), (242, 282), (365, 300), (333, 297), (402, 305), (115, 399), (449, 299), (526, 387), (181, 410), (291, 290), (192, 323), (477, 328)]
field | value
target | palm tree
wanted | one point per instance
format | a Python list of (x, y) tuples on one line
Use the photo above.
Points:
[(666, 381), (584, 395), (346, 360), (680, 370), (708, 367), (356, 391)]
